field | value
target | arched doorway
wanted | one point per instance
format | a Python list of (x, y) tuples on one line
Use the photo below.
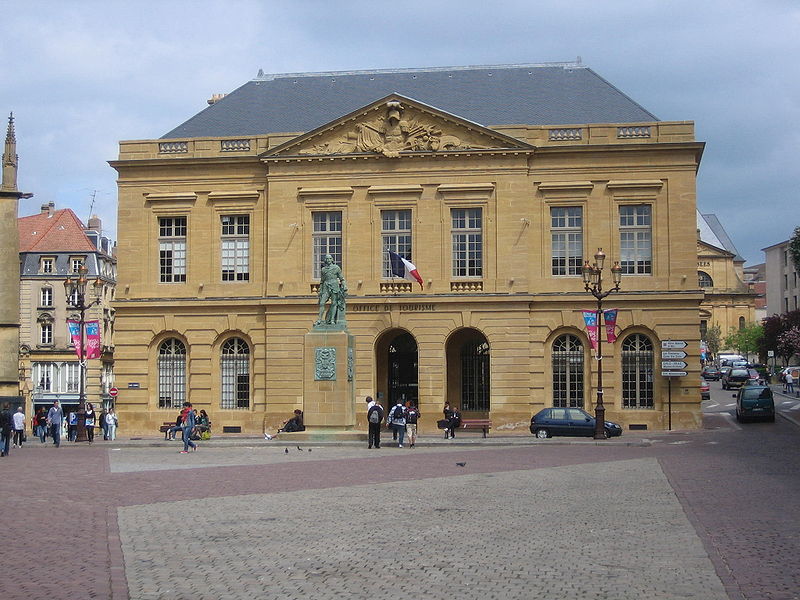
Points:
[(468, 372), (397, 368)]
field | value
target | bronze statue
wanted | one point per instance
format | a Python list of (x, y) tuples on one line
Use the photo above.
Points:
[(333, 288)]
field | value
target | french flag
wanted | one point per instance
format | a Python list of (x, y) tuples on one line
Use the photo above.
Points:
[(404, 268)]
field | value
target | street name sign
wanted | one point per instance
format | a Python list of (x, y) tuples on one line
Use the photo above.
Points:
[(673, 373), (675, 344), (673, 364), (672, 354)]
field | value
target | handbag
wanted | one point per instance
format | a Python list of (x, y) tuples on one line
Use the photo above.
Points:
[(443, 424)]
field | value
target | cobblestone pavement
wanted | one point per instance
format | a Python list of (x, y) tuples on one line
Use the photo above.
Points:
[(707, 514)]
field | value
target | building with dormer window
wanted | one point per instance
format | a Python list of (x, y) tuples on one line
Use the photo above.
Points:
[(498, 183)]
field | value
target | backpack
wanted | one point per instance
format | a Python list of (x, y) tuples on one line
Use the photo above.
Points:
[(374, 415), (412, 415), (398, 414)]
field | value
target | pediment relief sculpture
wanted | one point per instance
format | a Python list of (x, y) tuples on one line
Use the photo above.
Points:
[(398, 129)]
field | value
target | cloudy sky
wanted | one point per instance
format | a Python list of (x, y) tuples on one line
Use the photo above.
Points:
[(80, 76)]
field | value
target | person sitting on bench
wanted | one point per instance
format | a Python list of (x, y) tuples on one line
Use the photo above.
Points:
[(293, 424)]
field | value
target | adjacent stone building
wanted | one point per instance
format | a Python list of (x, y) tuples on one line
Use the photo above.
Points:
[(54, 245), (498, 183), (781, 279)]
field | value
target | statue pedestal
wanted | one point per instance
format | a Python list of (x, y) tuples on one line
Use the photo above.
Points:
[(329, 386)]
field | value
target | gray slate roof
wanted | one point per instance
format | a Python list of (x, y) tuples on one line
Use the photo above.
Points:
[(551, 94), (723, 240)]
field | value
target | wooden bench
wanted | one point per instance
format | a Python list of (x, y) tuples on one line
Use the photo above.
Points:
[(167, 425), (484, 424)]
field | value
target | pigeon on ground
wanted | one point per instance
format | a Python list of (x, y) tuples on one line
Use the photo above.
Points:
[(309, 449), (299, 448), (461, 464), (286, 451)]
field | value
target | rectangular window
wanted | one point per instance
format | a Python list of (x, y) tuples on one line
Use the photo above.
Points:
[(47, 265), (635, 233), (396, 236), (46, 334), (172, 249), (785, 305), (43, 376), (75, 264), (235, 248), (327, 239), (72, 377), (46, 297), (566, 229), (467, 236)]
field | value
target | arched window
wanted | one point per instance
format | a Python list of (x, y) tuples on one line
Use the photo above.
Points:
[(741, 323), (704, 279), (567, 371), (171, 374), (475, 376), (235, 368), (637, 372)]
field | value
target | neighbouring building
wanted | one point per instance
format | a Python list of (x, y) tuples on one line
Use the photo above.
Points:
[(728, 300), (498, 183), (756, 277), (10, 375), (781, 279), (54, 245)]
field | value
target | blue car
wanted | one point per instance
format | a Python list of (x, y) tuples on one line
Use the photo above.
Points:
[(568, 421)]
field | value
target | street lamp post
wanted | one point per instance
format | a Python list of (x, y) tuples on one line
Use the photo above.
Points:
[(76, 295), (593, 283)]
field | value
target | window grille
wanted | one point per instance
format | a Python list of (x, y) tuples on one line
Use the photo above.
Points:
[(235, 368), (475, 376), (704, 280), (637, 372), (171, 374), (568, 374)]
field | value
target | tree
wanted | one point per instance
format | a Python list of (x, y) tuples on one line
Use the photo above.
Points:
[(789, 343), (774, 327), (794, 249), (746, 339), (714, 339)]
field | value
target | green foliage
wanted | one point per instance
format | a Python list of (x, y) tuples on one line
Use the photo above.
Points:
[(774, 327), (745, 340), (713, 339), (794, 249)]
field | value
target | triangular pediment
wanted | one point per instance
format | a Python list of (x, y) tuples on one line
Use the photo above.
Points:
[(707, 250), (395, 126)]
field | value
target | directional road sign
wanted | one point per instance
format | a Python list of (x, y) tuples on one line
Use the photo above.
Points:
[(673, 373), (676, 344), (672, 354), (673, 364)]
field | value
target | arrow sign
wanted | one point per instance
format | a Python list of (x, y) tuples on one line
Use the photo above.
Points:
[(673, 354), (673, 364), (673, 373), (677, 344)]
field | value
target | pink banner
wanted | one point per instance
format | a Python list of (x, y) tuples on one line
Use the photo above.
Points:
[(610, 319), (92, 337), (590, 318)]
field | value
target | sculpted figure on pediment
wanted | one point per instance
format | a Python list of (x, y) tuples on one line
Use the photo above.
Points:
[(392, 134)]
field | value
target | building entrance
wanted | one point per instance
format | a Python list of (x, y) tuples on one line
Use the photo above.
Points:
[(397, 362)]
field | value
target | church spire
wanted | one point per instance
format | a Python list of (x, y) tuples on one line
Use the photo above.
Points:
[(10, 157)]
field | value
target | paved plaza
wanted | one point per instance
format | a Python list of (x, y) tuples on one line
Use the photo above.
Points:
[(631, 518)]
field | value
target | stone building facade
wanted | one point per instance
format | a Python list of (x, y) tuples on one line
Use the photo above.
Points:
[(54, 245), (498, 183)]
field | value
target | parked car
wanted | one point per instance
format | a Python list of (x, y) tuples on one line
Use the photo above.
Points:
[(755, 402), (782, 373), (568, 421), (705, 390), (734, 378), (711, 373)]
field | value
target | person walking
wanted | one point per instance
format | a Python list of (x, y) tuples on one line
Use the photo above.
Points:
[(374, 419), (18, 419), (91, 417), (412, 416), (41, 424), (6, 426), (55, 417), (104, 423), (111, 424), (188, 425), (397, 420), (72, 426)]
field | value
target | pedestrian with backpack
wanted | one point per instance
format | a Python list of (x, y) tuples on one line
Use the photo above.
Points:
[(412, 416), (374, 419), (397, 421)]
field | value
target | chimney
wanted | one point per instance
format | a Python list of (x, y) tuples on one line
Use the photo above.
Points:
[(215, 98)]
